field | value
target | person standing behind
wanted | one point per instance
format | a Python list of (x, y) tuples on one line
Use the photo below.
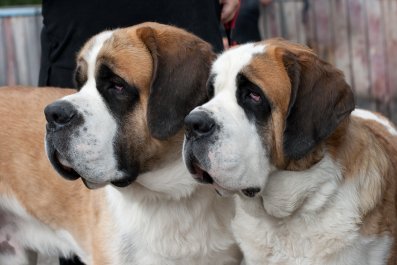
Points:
[(68, 24)]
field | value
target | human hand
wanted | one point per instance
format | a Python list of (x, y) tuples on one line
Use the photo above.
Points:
[(229, 9)]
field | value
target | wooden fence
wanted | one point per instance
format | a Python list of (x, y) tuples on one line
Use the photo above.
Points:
[(20, 45), (358, 36)]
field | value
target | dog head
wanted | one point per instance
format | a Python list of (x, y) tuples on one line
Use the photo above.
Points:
[(135, 85), (274, 102)]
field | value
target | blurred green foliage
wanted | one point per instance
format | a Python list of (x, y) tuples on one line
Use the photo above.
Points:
[(19, 2)]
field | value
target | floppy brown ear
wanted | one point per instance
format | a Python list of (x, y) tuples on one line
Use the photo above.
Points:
[(320, 100), (181, 65)]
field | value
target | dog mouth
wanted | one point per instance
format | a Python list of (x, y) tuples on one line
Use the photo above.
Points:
[(67, 171), (199, 174), (204, 177), (64, 168)]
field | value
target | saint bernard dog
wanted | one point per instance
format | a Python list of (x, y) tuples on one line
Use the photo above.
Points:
[(314, 181), (123, 129)]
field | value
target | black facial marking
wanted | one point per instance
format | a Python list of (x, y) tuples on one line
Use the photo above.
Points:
[(126, 160), (120, 96), (79, 78), (252, 99), (210, 86)]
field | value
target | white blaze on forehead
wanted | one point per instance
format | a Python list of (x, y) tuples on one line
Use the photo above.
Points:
[(92, 54), (368, 115), (225, 70), (230, 63)]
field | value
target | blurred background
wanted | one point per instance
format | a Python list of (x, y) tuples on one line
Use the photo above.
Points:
[(358, 36)]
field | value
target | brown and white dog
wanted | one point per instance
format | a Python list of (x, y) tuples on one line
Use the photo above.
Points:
[(123, 129), (314, 183)]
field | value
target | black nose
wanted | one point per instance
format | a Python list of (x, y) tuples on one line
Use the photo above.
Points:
[(199, 124), (59, 114)]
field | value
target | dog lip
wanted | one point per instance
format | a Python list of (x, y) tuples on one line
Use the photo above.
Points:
[(201, 175), (189, 165), (66, 165), (92, 185), (124, 182), (64, 170), (197, 172)]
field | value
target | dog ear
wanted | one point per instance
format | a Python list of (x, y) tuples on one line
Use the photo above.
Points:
[(181, 65), (320, 100)]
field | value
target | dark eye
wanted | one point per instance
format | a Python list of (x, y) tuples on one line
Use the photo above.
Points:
[(117, 88), (255, 97), (252, 99)]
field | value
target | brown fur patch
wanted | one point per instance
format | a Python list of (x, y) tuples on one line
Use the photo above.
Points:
[(268, 72), (367, 154), (290, 75)]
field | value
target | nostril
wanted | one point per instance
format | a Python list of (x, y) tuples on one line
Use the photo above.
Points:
[(59, 113), (62, 118), (202, 127)]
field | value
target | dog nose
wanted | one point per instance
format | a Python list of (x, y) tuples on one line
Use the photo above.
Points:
[(59, 114), (199, 124)]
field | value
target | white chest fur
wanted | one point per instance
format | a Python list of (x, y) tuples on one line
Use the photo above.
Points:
[(317, 222), (156, 229)]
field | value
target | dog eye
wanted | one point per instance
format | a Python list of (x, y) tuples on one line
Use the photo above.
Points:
[(255, 97), (117, 88)]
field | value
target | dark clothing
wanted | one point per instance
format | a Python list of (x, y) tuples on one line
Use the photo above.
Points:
[(246, 28), (68, 24)]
